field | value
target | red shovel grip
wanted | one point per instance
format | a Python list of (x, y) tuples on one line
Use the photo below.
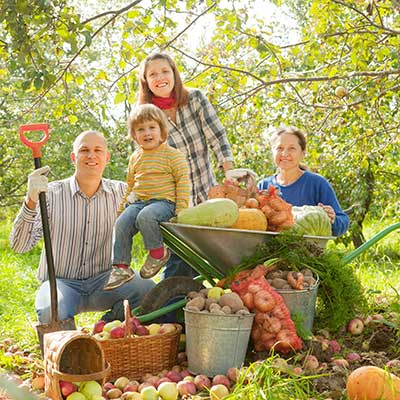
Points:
[(35, 146)]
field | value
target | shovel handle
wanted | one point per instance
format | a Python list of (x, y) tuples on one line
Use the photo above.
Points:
[(35, 146), (36, 152)]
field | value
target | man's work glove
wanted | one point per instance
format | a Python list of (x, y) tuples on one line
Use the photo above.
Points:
[(37, 183)]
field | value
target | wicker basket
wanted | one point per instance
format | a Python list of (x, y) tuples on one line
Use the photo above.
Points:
[(72, 356), (134, 356)]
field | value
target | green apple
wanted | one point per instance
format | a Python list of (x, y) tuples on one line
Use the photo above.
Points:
[(90, 389), (102, 336), (154, 329), (76, 396), (168, 391), (215, 293), (109, 325), (149, 393)]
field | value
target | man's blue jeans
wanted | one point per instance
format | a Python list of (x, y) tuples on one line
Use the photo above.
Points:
[(76, 296), (143, 216)]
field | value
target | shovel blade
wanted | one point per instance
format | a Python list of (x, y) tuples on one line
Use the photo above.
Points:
[(54, 326)]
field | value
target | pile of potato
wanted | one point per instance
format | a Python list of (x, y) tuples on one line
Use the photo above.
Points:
[(216, 301), (284, 279)]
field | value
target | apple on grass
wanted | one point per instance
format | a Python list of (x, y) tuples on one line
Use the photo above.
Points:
[(149, 393), (168, 391), (218, 392), (355, 326)]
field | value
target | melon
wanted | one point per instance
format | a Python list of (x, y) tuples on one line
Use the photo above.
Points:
[(221, 213), (251, 219), (312, 220)]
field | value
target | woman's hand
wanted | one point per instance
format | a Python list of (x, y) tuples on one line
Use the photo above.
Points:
[(330, 211)]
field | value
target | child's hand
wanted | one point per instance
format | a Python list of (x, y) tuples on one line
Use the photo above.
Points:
[(329, 210)]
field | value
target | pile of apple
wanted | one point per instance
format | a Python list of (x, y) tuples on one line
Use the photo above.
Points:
[(171, 385), (89, 390), (116, 329)]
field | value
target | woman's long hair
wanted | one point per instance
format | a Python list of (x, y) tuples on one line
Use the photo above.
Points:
[(145, 95)]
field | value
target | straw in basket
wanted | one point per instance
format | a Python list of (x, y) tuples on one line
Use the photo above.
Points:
[(134, 356)]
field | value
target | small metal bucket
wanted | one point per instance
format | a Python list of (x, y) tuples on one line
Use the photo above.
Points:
[(215, 343), (302, 303)]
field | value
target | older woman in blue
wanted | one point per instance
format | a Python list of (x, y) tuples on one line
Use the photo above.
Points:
[(298, 186)]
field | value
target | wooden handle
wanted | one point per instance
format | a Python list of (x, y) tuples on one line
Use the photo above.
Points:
[(127, 311)]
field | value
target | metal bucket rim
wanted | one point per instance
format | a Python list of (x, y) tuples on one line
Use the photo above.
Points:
[(240, 316)]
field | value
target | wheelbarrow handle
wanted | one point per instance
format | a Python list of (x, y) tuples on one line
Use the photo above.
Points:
[(35, 146)]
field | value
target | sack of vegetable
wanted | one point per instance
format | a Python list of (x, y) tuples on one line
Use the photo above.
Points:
[(278, 212), (272, 327), (239, 185)]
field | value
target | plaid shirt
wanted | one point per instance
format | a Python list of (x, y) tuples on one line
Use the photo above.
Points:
[(197, 127), (80, 227)]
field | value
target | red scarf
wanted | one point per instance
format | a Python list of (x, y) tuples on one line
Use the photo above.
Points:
[(164, 103)]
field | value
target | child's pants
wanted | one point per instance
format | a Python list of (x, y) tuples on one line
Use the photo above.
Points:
[(143, 216)]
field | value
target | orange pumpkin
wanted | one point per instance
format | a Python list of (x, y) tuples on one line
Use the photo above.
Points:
[(251, 219), (372, 383)]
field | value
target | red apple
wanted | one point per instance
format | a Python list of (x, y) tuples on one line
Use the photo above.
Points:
[(162, 380), (233, 374), (186, 388), (67, 388), (98, 326), (334, 346), (221, 380), (355, 326), (117, 332), (141, 330), (202, 382), (132, 386), (311, 362), (174, 376)]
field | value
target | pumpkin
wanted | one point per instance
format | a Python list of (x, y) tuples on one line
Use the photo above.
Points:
[(220, 213), (312, 220), (372, 383), (251, 219)]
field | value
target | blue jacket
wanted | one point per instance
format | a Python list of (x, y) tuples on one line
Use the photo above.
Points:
[(309, 190)]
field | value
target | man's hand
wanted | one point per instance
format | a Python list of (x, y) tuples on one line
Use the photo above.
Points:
[(37, 183)]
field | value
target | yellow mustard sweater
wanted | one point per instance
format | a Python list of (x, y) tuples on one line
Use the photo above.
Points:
[(160, 173)]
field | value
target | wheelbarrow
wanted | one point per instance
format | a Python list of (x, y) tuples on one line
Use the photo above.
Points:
[(213, 252)]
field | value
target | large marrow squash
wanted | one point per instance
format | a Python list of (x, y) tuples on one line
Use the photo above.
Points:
[(251, 219), (221, 213)]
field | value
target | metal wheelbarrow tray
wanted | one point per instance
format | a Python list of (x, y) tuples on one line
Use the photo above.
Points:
[(224, 248)]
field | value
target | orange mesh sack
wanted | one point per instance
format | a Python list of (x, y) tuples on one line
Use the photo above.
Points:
[(278, 211), (272, 327)]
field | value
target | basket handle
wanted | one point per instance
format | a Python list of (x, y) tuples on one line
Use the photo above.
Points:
[(95, 376), (127, 313)]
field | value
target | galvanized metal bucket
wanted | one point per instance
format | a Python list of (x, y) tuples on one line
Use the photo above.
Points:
[(302, 303), (215, 343)]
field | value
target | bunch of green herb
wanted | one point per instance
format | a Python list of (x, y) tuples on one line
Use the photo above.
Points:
[(340, 292)]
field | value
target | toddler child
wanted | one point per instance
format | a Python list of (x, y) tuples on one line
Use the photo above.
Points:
[(159, 180)]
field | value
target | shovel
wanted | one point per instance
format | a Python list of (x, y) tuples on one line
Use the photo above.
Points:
[(55, 325)]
